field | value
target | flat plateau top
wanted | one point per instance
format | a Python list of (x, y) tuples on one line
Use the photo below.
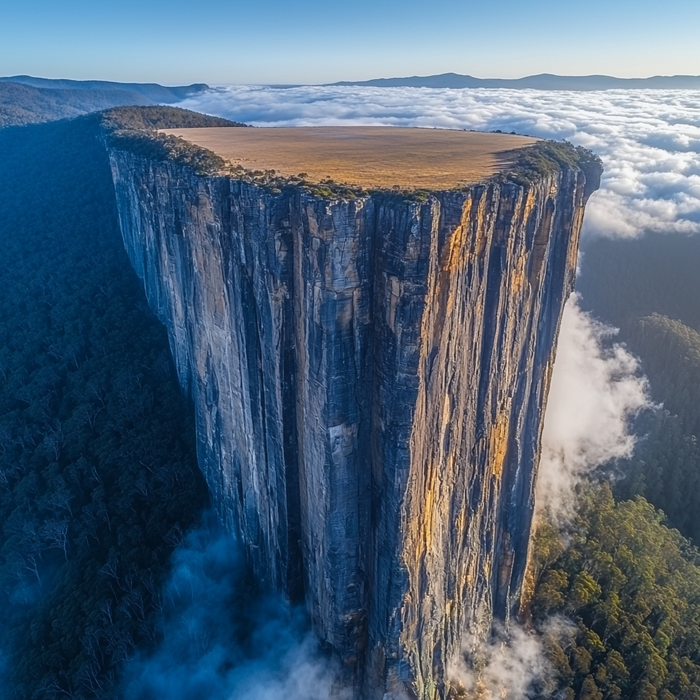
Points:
[(381, 157)]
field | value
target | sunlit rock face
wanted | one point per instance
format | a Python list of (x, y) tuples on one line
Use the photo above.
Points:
[(369, 378)]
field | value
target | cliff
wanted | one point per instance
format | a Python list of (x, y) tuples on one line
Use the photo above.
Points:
[(369, 374)]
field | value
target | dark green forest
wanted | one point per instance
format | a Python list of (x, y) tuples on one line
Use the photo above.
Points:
[(666, 465), (98, 475), (25, 104), (623, 574), (629, 590), (650, 288), (27, 100)]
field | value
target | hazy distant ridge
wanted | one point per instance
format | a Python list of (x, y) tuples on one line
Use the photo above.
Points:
[(544, 81), (152, 91)]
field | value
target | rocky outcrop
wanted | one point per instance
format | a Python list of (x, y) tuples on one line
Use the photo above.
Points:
[(369, 377)]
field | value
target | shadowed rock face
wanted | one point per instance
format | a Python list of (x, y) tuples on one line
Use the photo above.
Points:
[(369, 378)]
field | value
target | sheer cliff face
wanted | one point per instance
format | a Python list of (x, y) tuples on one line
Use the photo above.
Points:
[(369, 378)]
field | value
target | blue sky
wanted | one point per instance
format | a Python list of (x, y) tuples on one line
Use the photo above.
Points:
[(276, 41)]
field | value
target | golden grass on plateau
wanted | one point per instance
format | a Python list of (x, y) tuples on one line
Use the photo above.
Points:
[(377, 156)]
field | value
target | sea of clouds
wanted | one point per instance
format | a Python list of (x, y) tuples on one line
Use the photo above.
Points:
[(649, 140), (650, 145)]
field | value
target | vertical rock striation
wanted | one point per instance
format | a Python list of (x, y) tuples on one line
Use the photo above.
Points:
[(369, 378)]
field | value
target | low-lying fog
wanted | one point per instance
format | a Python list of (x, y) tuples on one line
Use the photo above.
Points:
[(649, 139)]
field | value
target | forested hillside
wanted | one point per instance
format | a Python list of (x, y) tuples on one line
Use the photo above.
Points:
[(619, 606), (650, 289), (27, 100), (671, 354), (153, 92), (617, 597), (666, 465), (98, 476), (23, 104)]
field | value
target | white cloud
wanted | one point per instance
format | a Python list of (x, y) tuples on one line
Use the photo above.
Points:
[(649, 139), (223, 640), (509, 664), (596, 388)]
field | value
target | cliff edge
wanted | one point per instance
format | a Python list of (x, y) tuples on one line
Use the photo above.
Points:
[(369, 368)]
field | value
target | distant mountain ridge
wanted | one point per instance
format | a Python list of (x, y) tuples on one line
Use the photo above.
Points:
[(28, 100), (151, 91), (543, 81), (24, 104)]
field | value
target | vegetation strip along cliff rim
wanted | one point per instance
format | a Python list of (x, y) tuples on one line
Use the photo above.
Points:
[(150, 132)]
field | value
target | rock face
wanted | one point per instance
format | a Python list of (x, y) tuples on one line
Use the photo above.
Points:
[(369, 378)]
